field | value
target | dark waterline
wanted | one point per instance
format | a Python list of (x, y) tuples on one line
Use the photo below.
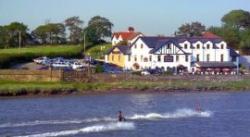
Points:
[(223, 114)]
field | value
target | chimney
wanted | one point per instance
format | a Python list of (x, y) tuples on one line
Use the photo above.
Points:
[(131, 29)]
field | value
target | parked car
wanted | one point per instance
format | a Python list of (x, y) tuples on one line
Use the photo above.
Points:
[(77, 65), (145, 72), (40, 60), (61, 64), (156, 71)]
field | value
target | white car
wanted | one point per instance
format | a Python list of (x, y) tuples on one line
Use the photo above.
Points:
[(77, 65), (61, 64), (145, 73), (40, 60)]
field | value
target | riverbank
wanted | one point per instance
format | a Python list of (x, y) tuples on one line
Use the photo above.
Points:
[(11, 88)]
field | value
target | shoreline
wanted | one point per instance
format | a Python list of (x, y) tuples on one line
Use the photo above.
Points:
[(22, 89), (113, 92)]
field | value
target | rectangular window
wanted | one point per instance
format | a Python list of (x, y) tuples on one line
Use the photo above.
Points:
[(168, 46), (221, 57), (150, 58), (186, 58), (177, 58), (141, 46), (197, 57), (208, 57), (141, 58), (135, 46), (159, 58), (119, 57), (135, 58), (168, 58), (112, 57), (129, 58)]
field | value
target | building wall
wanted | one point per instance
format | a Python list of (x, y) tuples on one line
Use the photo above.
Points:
[(245, 61), (134, 39), (116, 57), (204, 51), (140, 54)]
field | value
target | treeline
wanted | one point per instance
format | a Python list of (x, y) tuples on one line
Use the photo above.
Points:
[(17, 34), (235, 30)]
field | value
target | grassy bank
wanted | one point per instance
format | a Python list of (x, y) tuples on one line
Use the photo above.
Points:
[(11, 55), (9, 88), (98, 51)]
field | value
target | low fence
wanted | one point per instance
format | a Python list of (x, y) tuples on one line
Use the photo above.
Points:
[(76, 76), (31, 75), (85, 76)]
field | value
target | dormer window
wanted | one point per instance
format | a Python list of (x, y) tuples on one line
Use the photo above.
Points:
[(222, 46), (208, 46), (198, 46), (185, 46)]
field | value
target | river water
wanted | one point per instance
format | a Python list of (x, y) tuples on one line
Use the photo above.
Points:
[(221, 114)]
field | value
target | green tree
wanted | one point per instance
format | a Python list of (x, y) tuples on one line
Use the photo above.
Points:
[(52, 33), (229, 34), (41, 34), (3, 37), (237, 19), (74, 25), (15, 29), (245, 41), (98, 28), (193, 29)]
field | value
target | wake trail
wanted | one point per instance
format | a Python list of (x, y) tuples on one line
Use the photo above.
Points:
[(56, 122), (180, 113), (90, 129)]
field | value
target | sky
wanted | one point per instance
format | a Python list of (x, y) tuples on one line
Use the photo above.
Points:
[(151, 17)]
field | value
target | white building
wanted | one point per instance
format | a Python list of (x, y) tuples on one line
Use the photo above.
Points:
[(191, 54), (130, 36)]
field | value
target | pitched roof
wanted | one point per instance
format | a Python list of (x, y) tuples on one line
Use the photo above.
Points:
[(157, 42), (126, 35), (123, 49), (209, 35), (233, 53), (152, 41)]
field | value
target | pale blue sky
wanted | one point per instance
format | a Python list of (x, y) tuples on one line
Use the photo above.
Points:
[(148, 16)]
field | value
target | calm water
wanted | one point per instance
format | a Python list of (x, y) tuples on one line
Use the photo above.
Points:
[(148, 115)]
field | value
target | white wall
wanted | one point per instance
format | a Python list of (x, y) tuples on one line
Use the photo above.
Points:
[(144, 53), (116, 40)]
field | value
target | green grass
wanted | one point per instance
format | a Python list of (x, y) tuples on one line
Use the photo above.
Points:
[(98, 51), (27, 54), (11, 88)]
